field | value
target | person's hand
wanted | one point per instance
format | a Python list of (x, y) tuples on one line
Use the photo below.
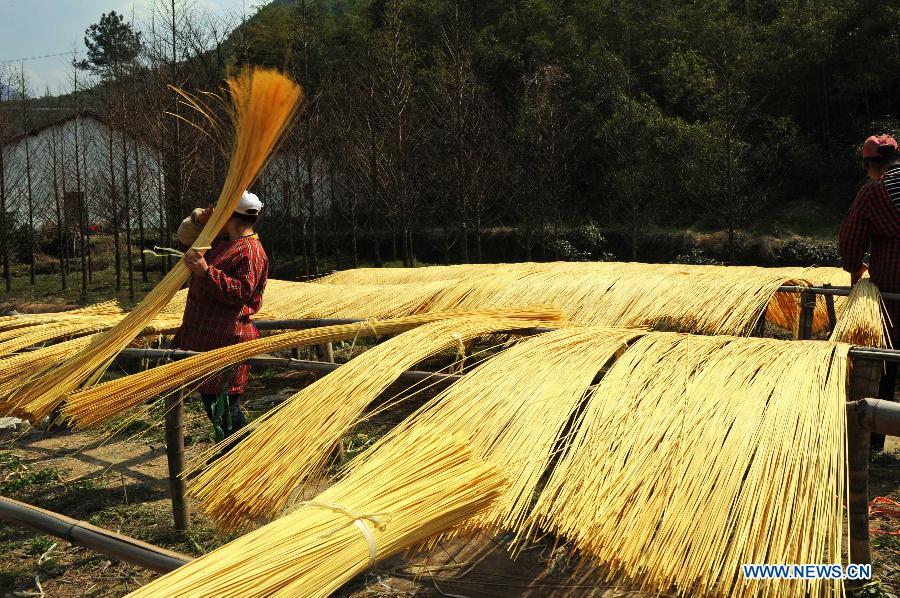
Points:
[(195, 262), (203, 218), (854, 278)]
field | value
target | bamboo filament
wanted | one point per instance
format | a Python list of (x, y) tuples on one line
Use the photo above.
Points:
[(698, 454), (290, 445), (514, 408), (400, 498), (262, 103), (98, 403), (862, 321)]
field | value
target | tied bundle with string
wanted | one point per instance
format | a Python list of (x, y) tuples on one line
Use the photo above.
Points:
[(261, 104), (402, 496), (695, 455), (291, 445), (98, 403), (862, 322)]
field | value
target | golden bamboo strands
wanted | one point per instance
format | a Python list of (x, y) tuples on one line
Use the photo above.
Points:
[(514, 408), (291, 444), (398, 499), (862, 321), (702, 300), (313, 300), (262, 103), (107, 308), (696, 455), (93, 405), (34, 335), (18, 369), (468, 284)]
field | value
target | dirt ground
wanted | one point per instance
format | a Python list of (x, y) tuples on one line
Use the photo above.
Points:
[(117, 478)]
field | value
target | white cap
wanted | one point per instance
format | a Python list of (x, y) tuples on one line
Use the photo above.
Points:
[(249, 204)]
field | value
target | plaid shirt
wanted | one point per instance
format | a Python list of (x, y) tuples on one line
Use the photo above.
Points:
[(873, 225), (220, 303)]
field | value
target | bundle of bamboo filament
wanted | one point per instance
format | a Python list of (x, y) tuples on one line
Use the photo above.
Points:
[(18, 369), (862, 321), (98, 403), (514, 408), (262, 103), (291, 444), (747, 436), (107, 308), (397, 499)]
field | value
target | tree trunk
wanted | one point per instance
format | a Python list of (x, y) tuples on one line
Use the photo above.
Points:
[(126, 197), (354, 233), (60, 224), (410, 253), (115, 214), (161, 196), (4, 214), (478, 249), (288, 216), (463, 235), (446, 234), (79, 198), (313, 249), (139, 198), (30, 199)]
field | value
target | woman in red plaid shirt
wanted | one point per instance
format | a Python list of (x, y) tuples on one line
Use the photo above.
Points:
[(873, 225), (226, 289)]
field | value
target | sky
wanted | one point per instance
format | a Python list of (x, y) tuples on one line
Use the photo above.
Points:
[(32, 28)]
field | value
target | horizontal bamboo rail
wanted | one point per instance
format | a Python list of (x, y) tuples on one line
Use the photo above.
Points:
[(110, 543), (300, 365), (829, 290)]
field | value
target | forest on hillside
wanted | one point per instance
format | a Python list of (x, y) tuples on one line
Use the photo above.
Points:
[(436, 127)]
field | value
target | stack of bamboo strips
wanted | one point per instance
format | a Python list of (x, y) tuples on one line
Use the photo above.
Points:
[(471, 283), (98, 403), (313, 300), (514, 409), (703, 300), (107, 308), (861, 322), (290, 445), (262, 103), (698, 454), (397, 499)]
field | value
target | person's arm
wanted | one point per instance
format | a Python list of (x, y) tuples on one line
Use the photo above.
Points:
[(233, 288), (190, 227), (855, 236)]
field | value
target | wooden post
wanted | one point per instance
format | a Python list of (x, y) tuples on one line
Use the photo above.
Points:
[(864, 381), (175, 456), (829, 305), (325, 352), (807, 313)]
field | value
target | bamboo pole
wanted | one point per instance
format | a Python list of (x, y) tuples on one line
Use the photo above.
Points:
[(175, 457), (864, 382), (300, 365), (807, 310), (832, 314), (96, 538), (875, 415)]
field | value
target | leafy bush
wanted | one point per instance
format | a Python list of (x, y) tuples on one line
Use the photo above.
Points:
[(564, 250), (696, 257), (806, 252)]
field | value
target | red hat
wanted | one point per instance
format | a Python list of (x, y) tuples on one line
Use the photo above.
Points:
[(873, 143)]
